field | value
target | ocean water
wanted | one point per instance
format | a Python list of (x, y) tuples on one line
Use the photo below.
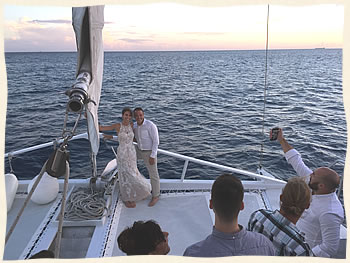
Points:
[(206, 104)]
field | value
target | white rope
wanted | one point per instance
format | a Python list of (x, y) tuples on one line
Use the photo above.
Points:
[(10, 162), (265, 86), (85, 205), (63, 206)]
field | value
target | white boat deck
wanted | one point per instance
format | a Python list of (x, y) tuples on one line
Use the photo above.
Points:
[(34, 217), (182, 211), (186, 216)]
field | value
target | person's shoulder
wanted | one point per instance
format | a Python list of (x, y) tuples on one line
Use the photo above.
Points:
[(258, 237), (255, 240), (329, 204), (264, 241), (256, 213), (149, 123), (337, 201), (194, 249), (260, 214), (335, 211)]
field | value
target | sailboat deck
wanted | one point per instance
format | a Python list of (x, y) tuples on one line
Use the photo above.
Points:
[(33, 220), (182, 210), (186, 216)]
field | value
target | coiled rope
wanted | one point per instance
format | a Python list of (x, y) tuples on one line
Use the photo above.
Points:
[(85, 205), (265, 85)]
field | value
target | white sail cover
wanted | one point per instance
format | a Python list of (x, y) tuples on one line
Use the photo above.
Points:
[(88, 23)]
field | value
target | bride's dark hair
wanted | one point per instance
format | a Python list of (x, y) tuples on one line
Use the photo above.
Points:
[(125, 110)]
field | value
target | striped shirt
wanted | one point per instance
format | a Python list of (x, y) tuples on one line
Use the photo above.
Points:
[(285, 236)]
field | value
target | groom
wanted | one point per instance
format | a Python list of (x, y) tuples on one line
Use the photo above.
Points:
[(146, 134)]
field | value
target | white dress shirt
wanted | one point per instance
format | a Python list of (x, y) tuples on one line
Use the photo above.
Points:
[(147, 136), (321, 221)]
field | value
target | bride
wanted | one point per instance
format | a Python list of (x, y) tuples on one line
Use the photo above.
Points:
[(133, 186)]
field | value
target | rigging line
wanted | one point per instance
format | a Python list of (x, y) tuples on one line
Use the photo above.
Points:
[(265, 85)]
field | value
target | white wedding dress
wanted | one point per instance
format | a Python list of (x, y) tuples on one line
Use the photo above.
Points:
[(132, 185)]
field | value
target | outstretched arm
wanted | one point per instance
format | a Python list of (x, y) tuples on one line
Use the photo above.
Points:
[(108, 127), (285, 145), (292, 156)]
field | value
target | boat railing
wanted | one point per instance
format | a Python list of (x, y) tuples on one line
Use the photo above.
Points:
[(185, 158)]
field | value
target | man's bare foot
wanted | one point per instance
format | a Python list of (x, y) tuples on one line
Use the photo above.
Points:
[(153, 201), (130, 204)]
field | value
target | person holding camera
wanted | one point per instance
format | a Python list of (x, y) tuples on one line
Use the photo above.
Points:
[(279, 225), (321, 221)]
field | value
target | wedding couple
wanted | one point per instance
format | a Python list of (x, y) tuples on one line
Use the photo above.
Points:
[(133, 186)]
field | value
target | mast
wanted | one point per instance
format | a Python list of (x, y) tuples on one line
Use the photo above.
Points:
[(88, 23)]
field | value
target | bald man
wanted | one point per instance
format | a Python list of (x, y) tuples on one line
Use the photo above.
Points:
[(321, 222)]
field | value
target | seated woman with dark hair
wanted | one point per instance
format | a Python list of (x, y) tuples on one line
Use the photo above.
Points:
[(144, 238), (279, 225)]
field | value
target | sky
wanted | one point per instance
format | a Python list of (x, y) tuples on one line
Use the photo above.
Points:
[(175, 26)]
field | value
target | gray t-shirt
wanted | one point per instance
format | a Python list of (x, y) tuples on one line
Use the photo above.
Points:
[(220, 244)]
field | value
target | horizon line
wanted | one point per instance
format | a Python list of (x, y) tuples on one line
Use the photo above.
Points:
[(194, 50)]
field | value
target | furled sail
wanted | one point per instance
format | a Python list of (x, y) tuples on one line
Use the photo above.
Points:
[(88, 23)]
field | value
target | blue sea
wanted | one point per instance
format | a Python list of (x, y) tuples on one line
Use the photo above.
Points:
[(206, 104)]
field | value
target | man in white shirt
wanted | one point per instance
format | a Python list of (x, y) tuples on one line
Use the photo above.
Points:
[(321, 222), (146, 134)]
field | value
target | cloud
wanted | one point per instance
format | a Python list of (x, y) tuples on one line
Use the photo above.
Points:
[(34, 37), (147, 27), (135, 41), (204, 33), (57, 21)]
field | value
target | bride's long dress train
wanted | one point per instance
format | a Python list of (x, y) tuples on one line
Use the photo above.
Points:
[(133, 186)]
